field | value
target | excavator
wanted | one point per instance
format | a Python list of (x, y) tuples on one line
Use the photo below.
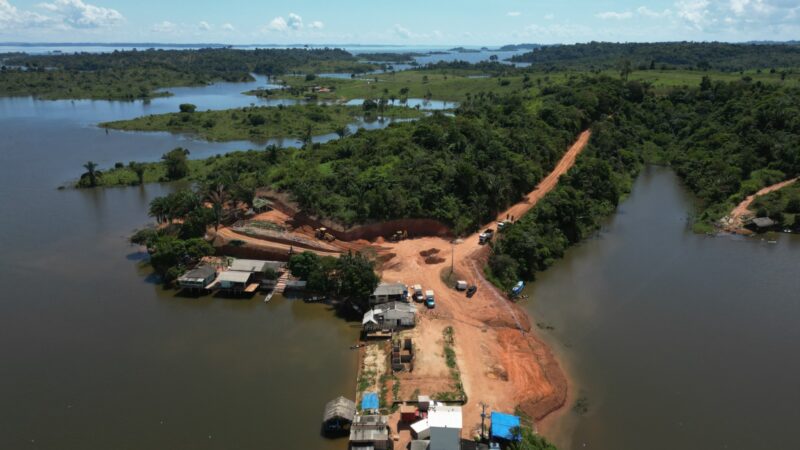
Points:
[(399, 236)]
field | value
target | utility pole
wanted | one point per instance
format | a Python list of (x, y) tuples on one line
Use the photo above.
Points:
[(483, 420), (452, 257)]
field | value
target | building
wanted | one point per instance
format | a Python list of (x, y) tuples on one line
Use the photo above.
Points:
[(445, 427), (390, 316), (505, 427), (761, 224), (257, 266), (198, 278), (338, 416), (370, 432), (388, 292), (234, 281)]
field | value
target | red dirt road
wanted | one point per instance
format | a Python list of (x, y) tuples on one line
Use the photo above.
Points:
[(502, 363), (735, 218)]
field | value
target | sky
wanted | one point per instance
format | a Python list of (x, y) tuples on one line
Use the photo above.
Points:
[(408, 22)]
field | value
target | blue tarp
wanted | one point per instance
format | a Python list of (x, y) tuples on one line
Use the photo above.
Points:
[(369, 401), (503, 426)]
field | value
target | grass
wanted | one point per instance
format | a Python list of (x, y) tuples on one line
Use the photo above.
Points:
[(450, 86), (458, 394), (259, 123)]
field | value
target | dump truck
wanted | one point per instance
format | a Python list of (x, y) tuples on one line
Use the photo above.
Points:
[(429, 299)]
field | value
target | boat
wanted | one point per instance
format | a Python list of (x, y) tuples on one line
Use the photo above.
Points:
[(517, 289), (356, 346)]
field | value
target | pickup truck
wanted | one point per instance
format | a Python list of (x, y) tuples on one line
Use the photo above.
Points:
[(429, 300), (486, 236)]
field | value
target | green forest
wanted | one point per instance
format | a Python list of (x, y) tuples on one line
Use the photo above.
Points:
[(129, 75), (665, 55)]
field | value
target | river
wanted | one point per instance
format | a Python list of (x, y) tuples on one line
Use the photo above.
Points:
[(674, 340), (95, 355)]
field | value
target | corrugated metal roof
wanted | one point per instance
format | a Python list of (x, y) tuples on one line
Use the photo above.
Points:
[(233, 276), (201, 272), (389, 289), (340, 408)]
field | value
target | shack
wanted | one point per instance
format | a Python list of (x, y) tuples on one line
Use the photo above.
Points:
[(445, 427), (338, 416), (235, 282), (370, 432), (761, 224), (388, 292), (389, 317), (505, 427), (198, 278)]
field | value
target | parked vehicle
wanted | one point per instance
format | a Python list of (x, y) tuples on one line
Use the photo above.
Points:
[(471, 291), (418, 296), (517, 289), (485, 237), (461, 285), (502, 225), (429, 300)]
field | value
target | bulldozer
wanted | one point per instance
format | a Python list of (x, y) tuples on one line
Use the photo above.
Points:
[(399, 236), (323, 235)]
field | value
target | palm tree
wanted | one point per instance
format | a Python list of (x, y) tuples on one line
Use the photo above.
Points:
[(218, 197), (159, 208), (91, 172)]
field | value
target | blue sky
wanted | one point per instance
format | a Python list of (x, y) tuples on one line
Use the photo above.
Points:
[(410, 22)]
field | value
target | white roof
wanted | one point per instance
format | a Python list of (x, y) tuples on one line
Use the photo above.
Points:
[(429, 292), (420, 426), (441, 416), (248, 265), (417, 287), (234, 276)]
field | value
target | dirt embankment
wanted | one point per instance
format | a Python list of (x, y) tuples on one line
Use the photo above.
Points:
[(502, 362), (735, 221)]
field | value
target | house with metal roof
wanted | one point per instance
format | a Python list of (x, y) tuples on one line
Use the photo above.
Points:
[(388, 292), (338, 415), (445, 424), (390, 316), (370, 432), (198, 278), (236, 282)]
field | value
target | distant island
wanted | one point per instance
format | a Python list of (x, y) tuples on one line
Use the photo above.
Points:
[(516, 47)]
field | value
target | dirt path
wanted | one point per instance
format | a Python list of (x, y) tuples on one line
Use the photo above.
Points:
[(735, 220), (550, 181), (502, 363)]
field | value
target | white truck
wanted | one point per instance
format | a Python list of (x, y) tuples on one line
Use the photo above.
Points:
[(418, 297), (429, 300)]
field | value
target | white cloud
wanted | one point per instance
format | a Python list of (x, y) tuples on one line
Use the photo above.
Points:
[(694, 12), (550, 16), (12, 18), (647, 12), (204, 26), (514, 13), (402, 32), (611, 15), (295, 22), (164, 27), (77, 14), (316, 25), (228, 27), (278, 24)]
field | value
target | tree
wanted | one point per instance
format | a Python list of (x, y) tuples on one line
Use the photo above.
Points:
[(302, 264), (705, 83), (530, 441), (138, 169), (91, 173), (625, 69), (343, 131), (187, 108), (218, 198), (357, 279), (308, 136), (177, 163)]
